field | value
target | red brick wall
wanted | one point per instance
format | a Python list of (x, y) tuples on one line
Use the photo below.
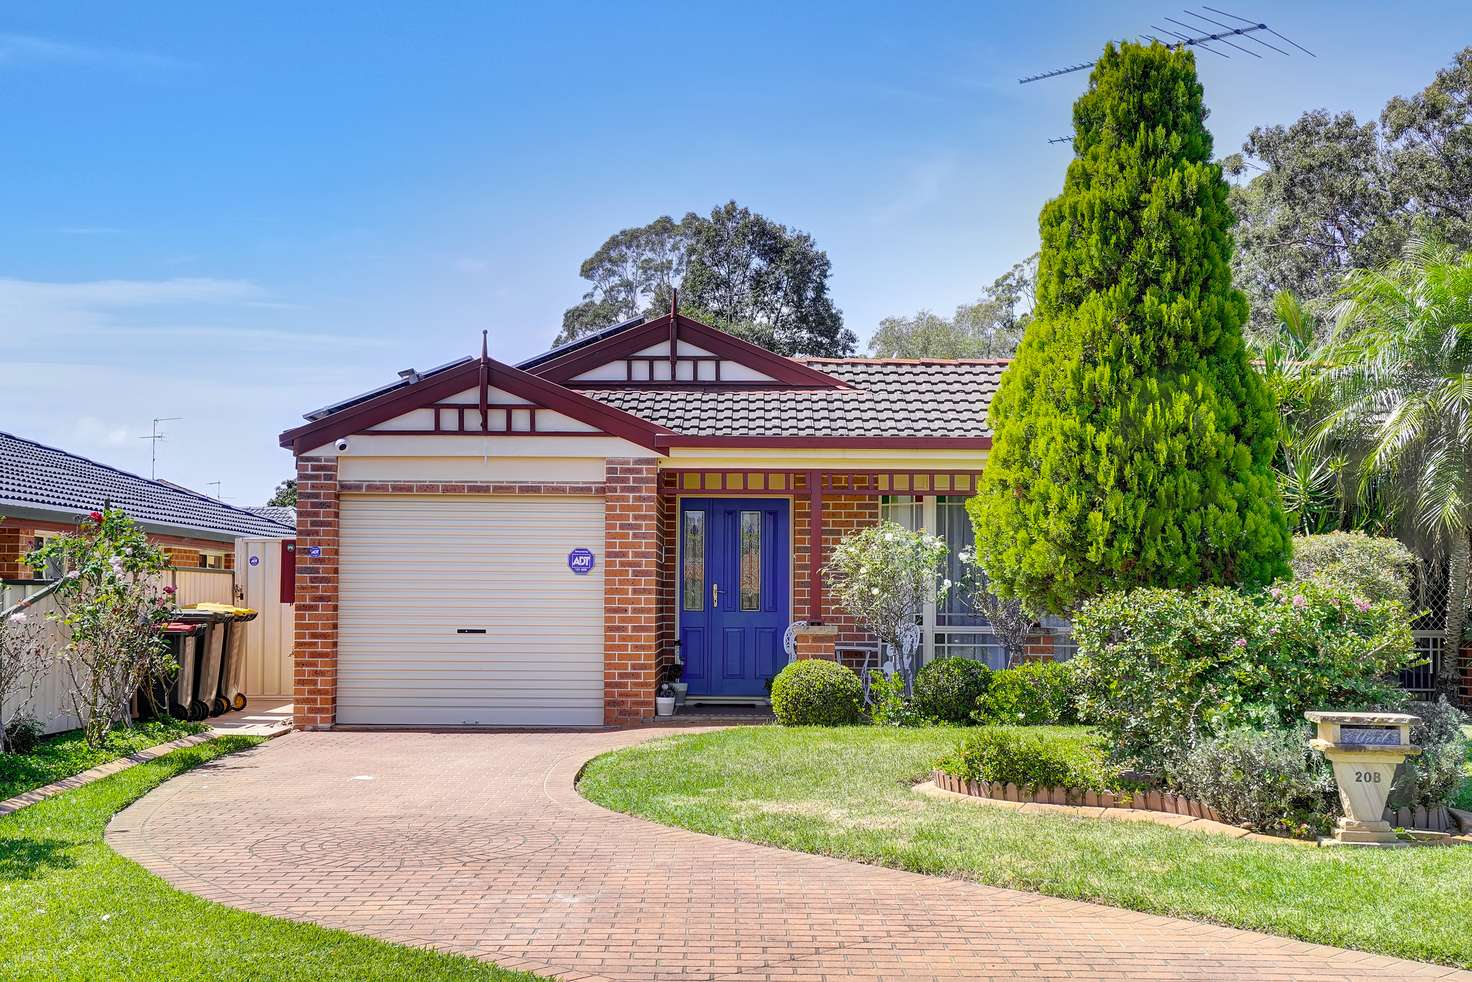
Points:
[(631, 588), (184, 558), (315, 684), (842, 515), (14, 544), (666, 631)]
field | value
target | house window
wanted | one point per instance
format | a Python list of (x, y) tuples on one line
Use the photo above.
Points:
[(212, 560), (751, 560), (952, 628), (692, 572)]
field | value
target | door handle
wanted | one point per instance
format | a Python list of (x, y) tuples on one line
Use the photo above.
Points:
[(715, 595)]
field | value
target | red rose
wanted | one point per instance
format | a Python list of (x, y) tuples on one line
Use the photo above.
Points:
[(170, 590), (96, 516)]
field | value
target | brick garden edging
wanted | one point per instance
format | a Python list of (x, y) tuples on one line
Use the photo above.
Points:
[(1155, 801)]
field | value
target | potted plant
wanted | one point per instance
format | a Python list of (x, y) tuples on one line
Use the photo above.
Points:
[(681, 687), (664, 700)]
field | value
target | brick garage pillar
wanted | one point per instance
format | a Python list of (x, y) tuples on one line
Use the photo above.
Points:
[(315, 661), (817, 641), (630, 590), (14, 544)]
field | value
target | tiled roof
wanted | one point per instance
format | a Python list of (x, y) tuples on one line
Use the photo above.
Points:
[(889, 398), (281, 514), (35, 479)]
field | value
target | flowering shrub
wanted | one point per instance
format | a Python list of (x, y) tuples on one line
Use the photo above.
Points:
[(883, 576), (1163, 669), (110, 608)]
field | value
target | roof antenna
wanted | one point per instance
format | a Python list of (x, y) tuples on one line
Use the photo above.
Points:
[(1199, 37)]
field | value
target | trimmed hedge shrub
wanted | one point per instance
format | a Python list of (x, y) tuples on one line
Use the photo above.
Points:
[(1372, 567), (1029, 760), (817, 692), (947, 689), (1033, 693)]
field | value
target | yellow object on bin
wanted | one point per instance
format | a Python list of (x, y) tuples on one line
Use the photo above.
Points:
[(222, 609)]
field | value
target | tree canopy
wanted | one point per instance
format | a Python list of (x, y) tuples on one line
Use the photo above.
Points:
[(284, 495), (989, 328), (1132, 445), (1329, 193), (735, 269)]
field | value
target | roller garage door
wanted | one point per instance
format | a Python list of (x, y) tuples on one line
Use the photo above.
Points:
[(464, 611)]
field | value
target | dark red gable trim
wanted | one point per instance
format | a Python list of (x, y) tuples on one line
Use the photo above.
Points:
[(810, 442), (473, 374), (786, 371)]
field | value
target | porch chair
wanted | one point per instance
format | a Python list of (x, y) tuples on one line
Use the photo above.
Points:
[(909, 645), (789, 639)]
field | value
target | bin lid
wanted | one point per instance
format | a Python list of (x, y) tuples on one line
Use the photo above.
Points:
[(242, 613)]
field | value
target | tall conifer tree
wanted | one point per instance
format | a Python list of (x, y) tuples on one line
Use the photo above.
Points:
[(1133, 443)]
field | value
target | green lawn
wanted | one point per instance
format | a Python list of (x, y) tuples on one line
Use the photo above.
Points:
[(846, 792), (71, 908), (66, 754)]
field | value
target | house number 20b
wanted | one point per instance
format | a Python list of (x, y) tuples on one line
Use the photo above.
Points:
[(1367, 777)]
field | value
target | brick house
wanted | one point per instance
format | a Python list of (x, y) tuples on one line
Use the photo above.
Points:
[(45, 491), (542, 544)]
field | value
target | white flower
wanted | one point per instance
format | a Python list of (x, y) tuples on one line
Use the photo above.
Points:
[(946, 583), (874, 590), (17, 618), (75, 574)]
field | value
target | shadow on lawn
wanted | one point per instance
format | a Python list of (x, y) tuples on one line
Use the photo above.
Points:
[(28, 857)]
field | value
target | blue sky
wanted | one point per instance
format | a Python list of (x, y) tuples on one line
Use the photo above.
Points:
[(235, 213)]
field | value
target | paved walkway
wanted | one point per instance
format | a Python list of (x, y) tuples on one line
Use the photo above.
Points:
[(478, 843)]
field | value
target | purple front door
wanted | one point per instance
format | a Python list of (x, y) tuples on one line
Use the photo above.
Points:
[(733, 593)]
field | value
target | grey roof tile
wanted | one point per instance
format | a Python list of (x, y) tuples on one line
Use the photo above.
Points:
[(889, 398), (38, 478)]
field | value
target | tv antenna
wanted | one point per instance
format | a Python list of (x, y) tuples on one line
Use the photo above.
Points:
[(153, 448), (216, 486), (1200, 36)]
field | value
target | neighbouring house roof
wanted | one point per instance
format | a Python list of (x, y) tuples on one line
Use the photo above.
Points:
[(887, 398), (280, 514), (41, 482)]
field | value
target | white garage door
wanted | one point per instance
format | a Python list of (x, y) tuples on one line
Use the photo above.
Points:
[(463, 611)]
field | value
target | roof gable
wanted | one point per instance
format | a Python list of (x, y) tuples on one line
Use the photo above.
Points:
[(476, 397), (675, 351)]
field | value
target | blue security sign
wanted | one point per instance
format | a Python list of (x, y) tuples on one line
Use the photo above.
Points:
[(581, 561), (314, 551), (255, 560)]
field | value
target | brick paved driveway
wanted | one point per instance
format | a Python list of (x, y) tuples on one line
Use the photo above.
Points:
[(477, 843)]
